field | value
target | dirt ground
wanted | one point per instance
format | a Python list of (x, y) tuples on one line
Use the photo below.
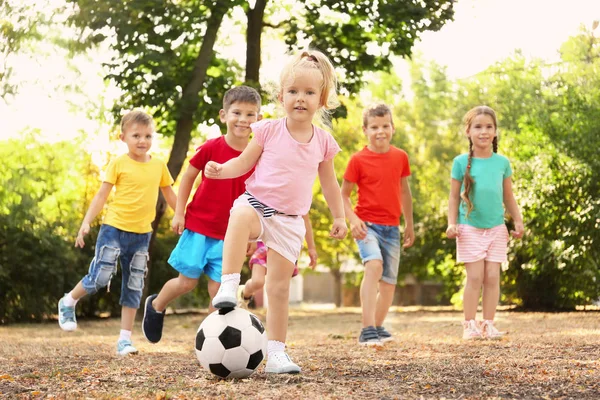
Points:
[(549, 356)]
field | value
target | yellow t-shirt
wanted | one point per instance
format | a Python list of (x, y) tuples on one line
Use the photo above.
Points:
[(134, 204)]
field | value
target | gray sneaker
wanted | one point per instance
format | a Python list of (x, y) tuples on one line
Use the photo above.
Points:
[(66, 316), (383, 334), (369, 337)]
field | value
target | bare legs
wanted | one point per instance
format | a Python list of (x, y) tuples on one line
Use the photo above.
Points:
[(376, 296), (486, 275)]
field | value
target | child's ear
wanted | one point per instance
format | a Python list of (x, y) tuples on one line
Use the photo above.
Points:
[(280, 96), (259, 117), (122, 136), (222, 115)]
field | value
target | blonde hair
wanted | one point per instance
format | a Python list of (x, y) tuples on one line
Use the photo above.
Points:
[(314, 59), (468, 180), (376, 110), (136, 116)]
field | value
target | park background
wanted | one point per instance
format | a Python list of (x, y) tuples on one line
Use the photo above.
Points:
[(70, 69)]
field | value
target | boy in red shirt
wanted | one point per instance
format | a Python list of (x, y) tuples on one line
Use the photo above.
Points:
[(380, 171), (202, 228)]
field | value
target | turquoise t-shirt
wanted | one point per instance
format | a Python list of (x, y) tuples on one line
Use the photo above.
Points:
[(487, 191)]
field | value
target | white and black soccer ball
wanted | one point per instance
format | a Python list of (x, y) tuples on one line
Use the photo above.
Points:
[(231, 343)]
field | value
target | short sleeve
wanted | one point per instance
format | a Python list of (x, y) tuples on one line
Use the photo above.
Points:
[(202, 156), (166, 179), (351, 174), (111, 175), (261, 129), (405, 165), (507, 170), (458, 171), (331, 147)]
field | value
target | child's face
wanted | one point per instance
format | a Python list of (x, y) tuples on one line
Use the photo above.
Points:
[(138, 138), (482, 131), (301, 97), (379, 130), (238, 118)]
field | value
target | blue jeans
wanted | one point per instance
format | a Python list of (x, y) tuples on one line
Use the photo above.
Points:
[(382, 243), (132, 251)]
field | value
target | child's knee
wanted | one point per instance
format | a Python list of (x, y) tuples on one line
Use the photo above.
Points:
[(279, 290), (186, 284), (474, 280), (106, 265), (137, 271)]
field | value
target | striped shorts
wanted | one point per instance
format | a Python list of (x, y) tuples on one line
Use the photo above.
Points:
[(474, 244)]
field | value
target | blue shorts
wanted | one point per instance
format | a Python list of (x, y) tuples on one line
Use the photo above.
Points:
[(132, 251), (382, 243), (196, 254)]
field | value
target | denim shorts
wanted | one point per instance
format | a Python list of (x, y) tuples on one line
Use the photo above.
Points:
[(196, 254), (132, 251), (382, 243)]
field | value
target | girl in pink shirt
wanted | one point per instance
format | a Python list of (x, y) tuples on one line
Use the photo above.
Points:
[(287, 153)]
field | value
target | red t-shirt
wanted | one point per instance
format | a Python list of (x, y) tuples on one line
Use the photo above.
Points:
[(208, 212), (378, 177)]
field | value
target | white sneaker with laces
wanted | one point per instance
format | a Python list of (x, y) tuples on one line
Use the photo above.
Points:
[(226, 296), (489, 331), (471, 330), (280, 363)]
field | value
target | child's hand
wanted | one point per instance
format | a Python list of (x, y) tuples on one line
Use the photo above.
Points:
[(409, 237), (84, 230), (250, 249), (312, 253), (178, 224), (358, 228), (452, 231), (339, 228), (519, 230), (212, 170)]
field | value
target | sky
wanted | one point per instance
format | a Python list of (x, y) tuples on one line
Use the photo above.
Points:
[(482, 33)]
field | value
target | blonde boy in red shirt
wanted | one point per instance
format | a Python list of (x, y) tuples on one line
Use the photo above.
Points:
[(380, 171)]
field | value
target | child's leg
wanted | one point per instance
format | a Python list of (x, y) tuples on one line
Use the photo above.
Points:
[(385, 298), (368, 291), (172, 290), (127, 318), (78, 291), (491, 289), (244, 225), (213, 288), (256, 282), (472, 288), (278, 293)]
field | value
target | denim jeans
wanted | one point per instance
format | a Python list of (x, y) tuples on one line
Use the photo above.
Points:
[(132, 251), (382, 243)]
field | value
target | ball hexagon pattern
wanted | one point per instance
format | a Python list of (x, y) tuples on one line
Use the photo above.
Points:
[(231, 343)]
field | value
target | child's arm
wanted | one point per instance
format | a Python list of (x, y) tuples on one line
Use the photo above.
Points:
[(95, 207), (185, 188), (358, 228), (407, 212), (331, 191), (310, 242), (513, 208), (236, 166), (453, 202), (170, 196)]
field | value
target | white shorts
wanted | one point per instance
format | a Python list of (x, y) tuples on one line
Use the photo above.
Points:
[(281, 233), (476, 244)]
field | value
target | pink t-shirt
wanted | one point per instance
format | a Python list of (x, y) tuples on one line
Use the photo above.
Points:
[(285, 172)]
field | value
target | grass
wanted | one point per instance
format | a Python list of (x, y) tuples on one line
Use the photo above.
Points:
[(545, 355)]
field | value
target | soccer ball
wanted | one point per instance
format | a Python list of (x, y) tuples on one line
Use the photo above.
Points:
[(231, 343)]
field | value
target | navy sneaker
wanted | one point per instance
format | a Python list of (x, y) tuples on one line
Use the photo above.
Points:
[(383, 334), (152, 324), (369, 337)]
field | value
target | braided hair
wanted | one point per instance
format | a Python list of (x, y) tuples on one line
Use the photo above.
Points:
[(468, 180)]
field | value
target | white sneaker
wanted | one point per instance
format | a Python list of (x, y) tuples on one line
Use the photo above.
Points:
[(67, 320), (226, 296), (280, 363), (489, 331), (471, 330)]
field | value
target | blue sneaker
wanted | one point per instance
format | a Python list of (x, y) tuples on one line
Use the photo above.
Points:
[(124, 347), (383, 334), (369, 337), (66, 317)]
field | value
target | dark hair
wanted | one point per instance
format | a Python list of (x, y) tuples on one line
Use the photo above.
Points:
[(468, 180), (241, 94), (376, 110), (136, 116)]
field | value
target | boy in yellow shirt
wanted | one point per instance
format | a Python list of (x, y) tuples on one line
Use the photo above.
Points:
[(126, 230)]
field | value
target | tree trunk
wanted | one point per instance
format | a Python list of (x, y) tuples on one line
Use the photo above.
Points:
[(337, 286), (253, 42), (190, 100)]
